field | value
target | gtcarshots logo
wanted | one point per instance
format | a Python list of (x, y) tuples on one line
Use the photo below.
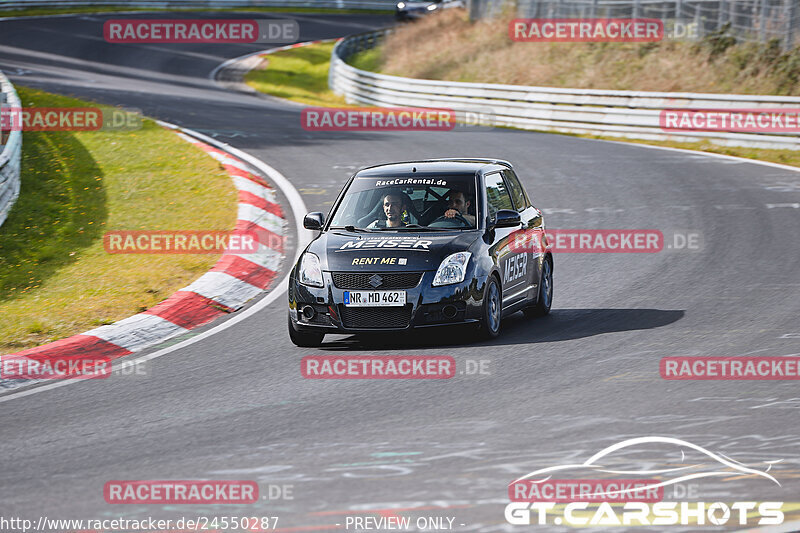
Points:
[(201, 31), (535, 495), (180, 492)]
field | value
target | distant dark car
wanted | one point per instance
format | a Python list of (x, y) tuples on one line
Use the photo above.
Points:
[(420, 244), (414, 10)]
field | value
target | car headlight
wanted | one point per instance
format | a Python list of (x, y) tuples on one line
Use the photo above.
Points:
[(452, 270), (401, 5), (310, 271), (432, 7)]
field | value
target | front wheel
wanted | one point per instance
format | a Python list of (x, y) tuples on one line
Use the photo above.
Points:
[(304, 339), (545, 299), (492, 309)]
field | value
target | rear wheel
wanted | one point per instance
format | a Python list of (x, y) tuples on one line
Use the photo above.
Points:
[(545, 299), (304, 339), (492, 309)]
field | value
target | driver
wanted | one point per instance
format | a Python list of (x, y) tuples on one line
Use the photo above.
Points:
[(394, 205), (458, 205)]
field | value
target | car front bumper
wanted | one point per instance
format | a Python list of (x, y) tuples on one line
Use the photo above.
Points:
[(426, 306)]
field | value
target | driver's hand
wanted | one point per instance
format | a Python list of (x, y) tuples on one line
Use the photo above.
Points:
[(450, 213)]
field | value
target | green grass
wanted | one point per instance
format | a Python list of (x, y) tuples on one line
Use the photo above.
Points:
[(298, 74), (55, 277), (44, 11), (369, 60)]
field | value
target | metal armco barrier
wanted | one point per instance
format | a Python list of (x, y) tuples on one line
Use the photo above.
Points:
[(11, 153), (627, 114), (161, 4)]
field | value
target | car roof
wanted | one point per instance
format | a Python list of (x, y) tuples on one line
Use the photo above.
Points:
[(434, 167)]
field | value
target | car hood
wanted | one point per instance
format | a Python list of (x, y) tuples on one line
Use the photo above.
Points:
[(388, 251)]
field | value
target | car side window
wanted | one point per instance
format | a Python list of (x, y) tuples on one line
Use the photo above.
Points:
[(497, 194), (517, 192)]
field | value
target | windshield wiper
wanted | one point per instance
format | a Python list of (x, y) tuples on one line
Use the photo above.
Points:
[(353, 229), (416, 228)]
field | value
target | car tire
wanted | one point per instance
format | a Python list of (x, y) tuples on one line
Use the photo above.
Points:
[(492, 309), (304, 339), (545, 298)]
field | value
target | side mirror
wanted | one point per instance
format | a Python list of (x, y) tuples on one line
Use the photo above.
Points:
[(314, 221), (506, 218)]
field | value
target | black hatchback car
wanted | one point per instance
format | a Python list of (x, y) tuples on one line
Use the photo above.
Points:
[(420, 244)]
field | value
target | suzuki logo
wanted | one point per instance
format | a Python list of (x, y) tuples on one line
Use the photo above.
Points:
[(376, 281)]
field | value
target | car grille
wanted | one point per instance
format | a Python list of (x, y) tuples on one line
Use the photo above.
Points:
[(388, 280), (375, 317)]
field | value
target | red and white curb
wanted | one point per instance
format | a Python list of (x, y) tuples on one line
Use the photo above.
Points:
[(229, 285)]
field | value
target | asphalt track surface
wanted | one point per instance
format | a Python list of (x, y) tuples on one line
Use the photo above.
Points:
[(558, 389)]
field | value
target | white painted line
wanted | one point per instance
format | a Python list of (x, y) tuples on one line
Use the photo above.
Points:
[(190, 140), (303, 238), (227, 160)]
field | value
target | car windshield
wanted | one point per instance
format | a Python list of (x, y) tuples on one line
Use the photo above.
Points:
[(425, 203)]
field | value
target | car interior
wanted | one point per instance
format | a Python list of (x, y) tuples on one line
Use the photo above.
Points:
[(425, 205)]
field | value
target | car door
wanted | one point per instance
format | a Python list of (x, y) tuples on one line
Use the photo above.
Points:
[(532, 230), (513, 264)]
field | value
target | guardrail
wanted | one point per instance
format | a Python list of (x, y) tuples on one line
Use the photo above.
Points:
[(626, 114), (11, 153), (160, 4)]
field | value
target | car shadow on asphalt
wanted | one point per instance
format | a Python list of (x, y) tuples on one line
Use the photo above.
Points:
[(560, 325)]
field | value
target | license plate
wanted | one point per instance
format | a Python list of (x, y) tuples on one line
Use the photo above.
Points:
[(374, 298)]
